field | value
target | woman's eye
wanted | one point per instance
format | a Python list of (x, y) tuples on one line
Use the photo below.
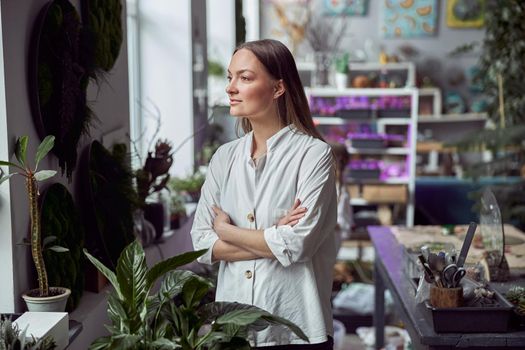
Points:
[(229, 78), (245, 78)]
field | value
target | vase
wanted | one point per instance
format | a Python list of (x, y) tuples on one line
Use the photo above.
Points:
[(322, 71), (143, 228), (341, 80), (55, 302)]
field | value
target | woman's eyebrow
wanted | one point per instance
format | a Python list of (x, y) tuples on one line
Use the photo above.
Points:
[(241, 71)]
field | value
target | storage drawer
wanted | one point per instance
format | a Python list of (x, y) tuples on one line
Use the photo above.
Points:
[(379, 193)]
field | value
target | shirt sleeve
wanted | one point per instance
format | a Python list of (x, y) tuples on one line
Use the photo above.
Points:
[(316, 190), (202, 234)]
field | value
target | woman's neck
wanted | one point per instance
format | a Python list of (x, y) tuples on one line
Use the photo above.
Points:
[(261, 133)]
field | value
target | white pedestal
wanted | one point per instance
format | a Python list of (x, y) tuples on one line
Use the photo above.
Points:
[(42, 324)]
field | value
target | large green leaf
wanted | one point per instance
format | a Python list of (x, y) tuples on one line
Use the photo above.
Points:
[(110, 275), (194, 290), (280, 320), (131, 276), (21, 149), (44, 174), (6, 163), (101, 343), (171, 264), (124, 341), (173, 283), (165, 344), (241, 317), (44, 148), (236, 313), (117, 314)]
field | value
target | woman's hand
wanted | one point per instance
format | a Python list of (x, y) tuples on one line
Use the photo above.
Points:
[(294, 214), (221, 219)]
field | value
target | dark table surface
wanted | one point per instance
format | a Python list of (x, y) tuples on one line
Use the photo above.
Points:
[(389, 273)]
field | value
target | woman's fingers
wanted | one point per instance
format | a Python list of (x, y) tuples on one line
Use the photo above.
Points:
[(296, 217), (293, 223), (296, 204)]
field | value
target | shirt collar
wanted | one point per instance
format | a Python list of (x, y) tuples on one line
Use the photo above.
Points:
[(271, 143)]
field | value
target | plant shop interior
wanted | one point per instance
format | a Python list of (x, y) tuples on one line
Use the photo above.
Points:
[(119, 105)]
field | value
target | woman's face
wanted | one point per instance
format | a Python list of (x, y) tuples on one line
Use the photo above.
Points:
[(251, 89)]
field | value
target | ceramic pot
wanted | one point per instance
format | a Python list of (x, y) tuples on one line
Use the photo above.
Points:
[(53, 303)]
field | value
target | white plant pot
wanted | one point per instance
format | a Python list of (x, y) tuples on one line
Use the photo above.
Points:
[(55, 303), (341, 80)]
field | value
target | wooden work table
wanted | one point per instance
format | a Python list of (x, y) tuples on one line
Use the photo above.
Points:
[(389, 273)]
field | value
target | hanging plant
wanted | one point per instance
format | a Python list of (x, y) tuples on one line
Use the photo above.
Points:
[(103, 22), (58, 81), (60, 223)]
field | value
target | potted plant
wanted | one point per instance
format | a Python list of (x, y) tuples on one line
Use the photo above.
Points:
[(341, 71), (174, 317), (190, 186), (177, 211), (153, 178), (12, 338), (44, 298)]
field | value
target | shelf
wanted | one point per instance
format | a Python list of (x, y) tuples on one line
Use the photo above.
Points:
[(452, 118), (333, 92), (394, 181), (387, 150), (343, 121), (363, 202)]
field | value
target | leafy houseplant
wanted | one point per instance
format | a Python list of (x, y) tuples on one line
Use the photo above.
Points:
[(189, 186), (32, 177), (11, 338), (500, 75), (173, 318)]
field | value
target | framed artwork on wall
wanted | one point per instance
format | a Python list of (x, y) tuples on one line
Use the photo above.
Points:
[(465, 13), (347, 7), (409, 18)]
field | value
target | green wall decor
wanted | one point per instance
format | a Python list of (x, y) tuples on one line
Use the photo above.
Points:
[(60, 218), (109, 200), (103, 22), (58, 81)]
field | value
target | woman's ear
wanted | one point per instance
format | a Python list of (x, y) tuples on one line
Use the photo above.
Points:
[(279, 89)]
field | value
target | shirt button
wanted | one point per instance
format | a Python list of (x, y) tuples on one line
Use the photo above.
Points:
[(250, 217), (248, 274)]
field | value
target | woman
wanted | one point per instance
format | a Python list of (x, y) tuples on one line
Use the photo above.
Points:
[(280, 264)]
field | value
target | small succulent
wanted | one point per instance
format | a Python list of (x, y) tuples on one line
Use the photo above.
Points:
[(516, 295)]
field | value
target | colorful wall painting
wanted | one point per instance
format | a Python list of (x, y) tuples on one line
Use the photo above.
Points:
[(465, 13), (409, 18), (346, 7)]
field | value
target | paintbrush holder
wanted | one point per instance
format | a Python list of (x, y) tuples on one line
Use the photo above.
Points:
[(446, 297)]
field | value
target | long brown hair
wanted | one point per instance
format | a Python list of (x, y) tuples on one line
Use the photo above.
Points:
[(292, 106)]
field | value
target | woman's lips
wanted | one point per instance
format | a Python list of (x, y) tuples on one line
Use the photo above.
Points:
[(234, 102)]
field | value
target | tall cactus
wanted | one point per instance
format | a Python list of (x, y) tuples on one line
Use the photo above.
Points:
[(32, 176)]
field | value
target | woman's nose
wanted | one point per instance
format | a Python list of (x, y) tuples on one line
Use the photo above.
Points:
[(230, 88)]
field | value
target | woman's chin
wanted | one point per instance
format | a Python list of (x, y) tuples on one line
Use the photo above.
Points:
[(235, 113)]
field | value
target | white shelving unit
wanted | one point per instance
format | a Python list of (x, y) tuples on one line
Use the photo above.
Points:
[(409, 151)]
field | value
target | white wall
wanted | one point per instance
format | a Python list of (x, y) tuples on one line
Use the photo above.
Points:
[(110, 104), (6, 253), (432, 59), (165, 34)]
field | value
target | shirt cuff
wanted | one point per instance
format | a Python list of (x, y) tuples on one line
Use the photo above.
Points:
[(277, 244), (207, 257)]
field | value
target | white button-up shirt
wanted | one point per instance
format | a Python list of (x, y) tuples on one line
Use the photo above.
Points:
[(297, 284)]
